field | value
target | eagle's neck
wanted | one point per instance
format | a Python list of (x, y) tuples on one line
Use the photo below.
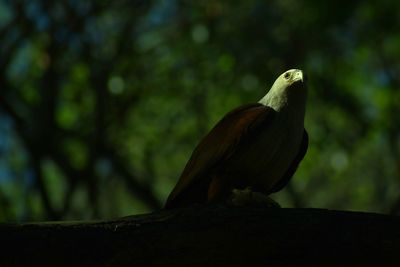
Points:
[(291, 106), (275, 100)]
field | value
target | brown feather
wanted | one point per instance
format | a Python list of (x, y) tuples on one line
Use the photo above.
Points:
[(200, 180), (293, 167)]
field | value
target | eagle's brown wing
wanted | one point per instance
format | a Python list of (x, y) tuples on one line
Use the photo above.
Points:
[(293, 167), (215, 148)]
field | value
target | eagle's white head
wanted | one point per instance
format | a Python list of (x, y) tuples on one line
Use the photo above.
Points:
[(289, 89)]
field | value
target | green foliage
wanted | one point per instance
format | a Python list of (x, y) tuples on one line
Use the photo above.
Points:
[(107, 98)]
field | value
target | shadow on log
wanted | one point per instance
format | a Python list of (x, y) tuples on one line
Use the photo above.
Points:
[(209, 236)]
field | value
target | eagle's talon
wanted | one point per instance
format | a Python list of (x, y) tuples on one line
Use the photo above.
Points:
[(247, 197)]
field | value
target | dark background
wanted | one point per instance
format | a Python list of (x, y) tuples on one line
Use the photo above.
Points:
[(102, 102)]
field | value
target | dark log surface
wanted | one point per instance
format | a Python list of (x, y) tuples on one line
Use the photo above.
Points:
[(209, 236)]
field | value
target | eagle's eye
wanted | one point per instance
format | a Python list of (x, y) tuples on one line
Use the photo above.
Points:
[(287, 75)]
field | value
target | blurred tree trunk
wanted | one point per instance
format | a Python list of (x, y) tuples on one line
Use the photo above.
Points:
[(209, 236)]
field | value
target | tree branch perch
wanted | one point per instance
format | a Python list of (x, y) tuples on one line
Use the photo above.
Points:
[(210, 236)]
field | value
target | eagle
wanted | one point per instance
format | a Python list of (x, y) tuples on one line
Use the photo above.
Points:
[(256, 146)]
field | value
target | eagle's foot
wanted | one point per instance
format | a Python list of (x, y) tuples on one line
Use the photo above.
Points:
[(247, 197)]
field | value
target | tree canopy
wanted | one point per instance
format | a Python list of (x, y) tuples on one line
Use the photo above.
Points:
[(102, 102)]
